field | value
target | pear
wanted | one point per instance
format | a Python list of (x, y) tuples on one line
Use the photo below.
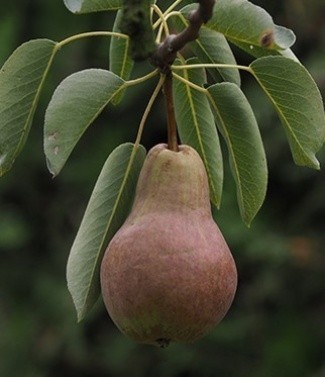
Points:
[(168, 274)]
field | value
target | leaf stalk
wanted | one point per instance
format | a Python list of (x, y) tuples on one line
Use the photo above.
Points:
[(148, 109)]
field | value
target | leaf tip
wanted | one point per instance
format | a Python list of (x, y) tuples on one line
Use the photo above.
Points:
[(72, 6), (311, 162), (317, 166), (2, 171), (80, 316), (4, 168), (215, 201), (248, 218), (80, 311), (248, 224), (315, 163), (51, 169)]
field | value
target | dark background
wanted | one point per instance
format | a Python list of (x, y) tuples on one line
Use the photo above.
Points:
[(276, 325)]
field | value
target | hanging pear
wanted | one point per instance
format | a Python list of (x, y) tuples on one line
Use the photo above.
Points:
[(168, 274)]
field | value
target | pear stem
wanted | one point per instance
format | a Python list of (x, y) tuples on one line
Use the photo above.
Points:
[(171, 119)]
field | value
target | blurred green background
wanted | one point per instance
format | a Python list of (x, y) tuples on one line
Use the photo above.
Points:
[(276, 326)]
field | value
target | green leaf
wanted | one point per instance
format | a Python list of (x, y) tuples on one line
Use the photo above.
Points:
[(283, 36), (298, 102), (89, 6), (75, 104), (248, 26), (237, 123), (107, 210), (21, 80), (120, 61), (196, 127), (211, 47), (288, 53)]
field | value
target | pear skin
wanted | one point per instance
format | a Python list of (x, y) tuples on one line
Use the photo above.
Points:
[(168, 274)]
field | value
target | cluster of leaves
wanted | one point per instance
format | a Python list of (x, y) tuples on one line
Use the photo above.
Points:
[(206, 92)]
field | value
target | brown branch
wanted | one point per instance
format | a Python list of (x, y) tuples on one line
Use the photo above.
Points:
[(166, 52)]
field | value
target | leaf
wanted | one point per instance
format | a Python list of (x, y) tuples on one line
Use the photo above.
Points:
[(107, 210), (75, 104), (196, 128), (211, 47), (89, 6), (248, 26), (120, 61), (283, 37), (237, 123), (290, 55), (21, 80), (298, 102)]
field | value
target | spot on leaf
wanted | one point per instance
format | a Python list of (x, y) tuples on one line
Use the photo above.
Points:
[(267, 39), (53, 136)]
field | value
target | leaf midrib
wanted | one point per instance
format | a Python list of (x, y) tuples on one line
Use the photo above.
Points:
[(281, 113), (230, 147)]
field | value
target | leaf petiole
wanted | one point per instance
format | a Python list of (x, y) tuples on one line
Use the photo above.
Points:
[(175, 13), (90, 34), (140, 79), (167, 11), (148, 109), (189, 83), (193, 66), (161, 16), (163, 25)]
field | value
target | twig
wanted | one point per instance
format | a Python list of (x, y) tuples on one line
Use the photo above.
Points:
[(166, 52)]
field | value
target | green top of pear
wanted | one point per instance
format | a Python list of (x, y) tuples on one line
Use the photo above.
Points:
[(172, 181)]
